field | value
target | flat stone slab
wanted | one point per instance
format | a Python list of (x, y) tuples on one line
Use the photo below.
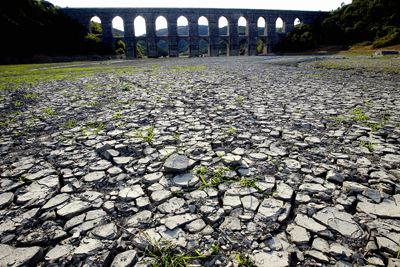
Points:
[(389, 208), (339, 221), (176, 163), (73, 208), (10, 256)]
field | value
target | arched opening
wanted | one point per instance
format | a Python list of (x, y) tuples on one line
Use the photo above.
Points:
[(223, 48), (279, 25), (204, 48), (140, 26), (242, 26), (141, 49), (261, 48), (162, 48), (118, 27), (120, 47), (183, 48), (297, 22), (261, 27), (161, 26), (243, 47), (95, 26), (223, 26), (203, 26), (183, 26)]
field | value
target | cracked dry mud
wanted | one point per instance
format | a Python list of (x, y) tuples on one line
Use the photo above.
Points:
[(291, 165)]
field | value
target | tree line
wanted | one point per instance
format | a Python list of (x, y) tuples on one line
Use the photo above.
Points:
[(365, 22)]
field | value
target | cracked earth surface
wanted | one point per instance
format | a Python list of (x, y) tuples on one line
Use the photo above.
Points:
[(289, 164)]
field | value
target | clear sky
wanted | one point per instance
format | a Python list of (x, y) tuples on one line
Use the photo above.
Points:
[(323, 5)]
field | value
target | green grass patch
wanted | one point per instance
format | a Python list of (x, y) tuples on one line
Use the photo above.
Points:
[(17, 76), (367, 145), (359, 115), (385, 64), (244, 261), (93, 128), (147, 135), (48, 111), (187, 68), (164, 253)]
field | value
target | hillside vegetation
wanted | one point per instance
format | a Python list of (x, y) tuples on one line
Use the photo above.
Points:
[(35, 27), (369, 22)]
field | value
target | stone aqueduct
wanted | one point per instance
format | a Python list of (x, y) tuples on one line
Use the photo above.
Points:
[(233, 39)]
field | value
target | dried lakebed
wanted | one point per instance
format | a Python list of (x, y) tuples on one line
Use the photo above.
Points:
[(280, 164)]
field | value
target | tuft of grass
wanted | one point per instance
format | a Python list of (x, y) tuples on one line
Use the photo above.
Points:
[(117, 116), (250, 183), (240, 100), (48, 111), (231, 131), (359, 115), (126, 88), (17, 103), (7, 122), (70, 124), (177, 137), (375, 126), (29, 96), (93, 127), (22, 179), (340, 119), (166, 254), (244, 261), (148, 136), (367, 145)]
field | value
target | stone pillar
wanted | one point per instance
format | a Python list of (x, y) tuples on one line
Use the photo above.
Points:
[(173, 36), (233, 36), (107, 36), (214, 36), (193, 36), (271, 34), (129, 38), (85, 21), (151, 37), (252, 35), (288, 24)]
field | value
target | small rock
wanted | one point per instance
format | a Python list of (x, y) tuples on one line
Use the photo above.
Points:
[(339, 221), (125, 259), (272, 259), (107, 231), (130, 193), (334, 176), (231, 160), (176, 163), (59, 251), (88, 246), (94, 176), (10, 256), (6, 199), (292, 164), (298, 235), (152, 177), (185, 180), (196, 226), (73, 208)]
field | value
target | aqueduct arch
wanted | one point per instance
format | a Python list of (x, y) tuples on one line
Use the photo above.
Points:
[(234, 39)]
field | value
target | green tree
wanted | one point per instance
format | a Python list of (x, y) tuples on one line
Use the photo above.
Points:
[(96, 28), (260, 47)]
